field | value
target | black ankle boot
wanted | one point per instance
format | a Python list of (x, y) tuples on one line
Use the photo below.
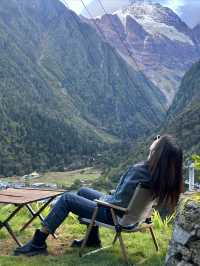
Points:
[(35, 246), (93, 239), (78, 242)]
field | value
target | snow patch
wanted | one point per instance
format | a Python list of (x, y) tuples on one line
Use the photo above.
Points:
[(150, 17)]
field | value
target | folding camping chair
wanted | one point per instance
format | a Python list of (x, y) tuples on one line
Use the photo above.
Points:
[(137, 217)]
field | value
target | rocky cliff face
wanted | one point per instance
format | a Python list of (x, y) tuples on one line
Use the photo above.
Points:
[(196, 32), (185, 244), (162, 45)]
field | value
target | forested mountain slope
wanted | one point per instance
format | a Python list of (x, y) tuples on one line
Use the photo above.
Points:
[(184, 115), (63, 91), (183, 122)]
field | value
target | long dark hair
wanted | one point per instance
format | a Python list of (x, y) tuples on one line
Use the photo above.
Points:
[(165, 165)]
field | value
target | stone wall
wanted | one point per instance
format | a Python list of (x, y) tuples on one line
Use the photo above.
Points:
[(184, 248)]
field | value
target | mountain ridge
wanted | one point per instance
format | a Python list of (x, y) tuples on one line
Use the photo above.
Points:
[(163, 46), (184, 114), (196, 32), (60, 99)]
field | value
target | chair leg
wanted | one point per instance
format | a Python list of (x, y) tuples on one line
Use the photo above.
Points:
[(154, 238), (118, 235), (115, 239), (88, 231), (123, 248)]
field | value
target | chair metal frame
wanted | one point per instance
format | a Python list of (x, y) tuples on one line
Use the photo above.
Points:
[(118, 227)]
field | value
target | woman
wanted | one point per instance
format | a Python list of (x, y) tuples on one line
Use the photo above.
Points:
[(162, 173)]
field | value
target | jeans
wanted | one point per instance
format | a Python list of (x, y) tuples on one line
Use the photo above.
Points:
[(81, 204)]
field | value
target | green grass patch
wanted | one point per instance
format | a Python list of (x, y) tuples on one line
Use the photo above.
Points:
[(141, 250), (84, 176)]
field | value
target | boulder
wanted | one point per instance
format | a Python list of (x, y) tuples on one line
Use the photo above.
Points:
[(184, 248)]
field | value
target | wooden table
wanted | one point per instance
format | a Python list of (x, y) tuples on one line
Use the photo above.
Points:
[(24, 198)]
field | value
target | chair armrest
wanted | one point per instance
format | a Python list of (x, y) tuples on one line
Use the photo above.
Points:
[(106, 204)]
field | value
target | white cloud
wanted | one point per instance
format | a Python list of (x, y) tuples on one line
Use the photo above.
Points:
[(188, 10), (175, 4)]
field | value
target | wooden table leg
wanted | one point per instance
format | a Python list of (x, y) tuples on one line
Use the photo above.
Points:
[(32, 211), (11, 216), (8, 227), (36, 214), (30, 208)]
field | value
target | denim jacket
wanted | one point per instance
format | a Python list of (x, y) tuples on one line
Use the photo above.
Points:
[(135, 174)]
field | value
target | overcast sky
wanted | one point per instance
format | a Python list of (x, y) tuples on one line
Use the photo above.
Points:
[(188, 10), (76, 5)]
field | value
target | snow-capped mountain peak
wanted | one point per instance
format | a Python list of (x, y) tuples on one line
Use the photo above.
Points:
[(152, 35), (157, 21)]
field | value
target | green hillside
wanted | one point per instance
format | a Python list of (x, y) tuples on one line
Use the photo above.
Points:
[(183, 122), (184, 115), (64, 93)]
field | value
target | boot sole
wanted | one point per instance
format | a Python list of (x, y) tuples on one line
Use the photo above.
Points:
[(33, 253), (87, 246)]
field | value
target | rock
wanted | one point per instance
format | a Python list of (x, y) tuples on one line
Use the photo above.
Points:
[(183, 263), (172, 262), (198, 232), (181, 236), (184, 248), (186, 253), (189, 218), (195, 247)]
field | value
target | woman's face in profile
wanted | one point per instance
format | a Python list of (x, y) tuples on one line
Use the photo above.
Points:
[(153, 145)]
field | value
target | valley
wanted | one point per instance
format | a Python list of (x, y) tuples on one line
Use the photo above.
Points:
[(61, 180), (81, 101), (65, 94)]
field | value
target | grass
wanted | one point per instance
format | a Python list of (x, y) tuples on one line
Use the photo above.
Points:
[(141, 250), (140, 247), (66, 179), (190, 196)]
